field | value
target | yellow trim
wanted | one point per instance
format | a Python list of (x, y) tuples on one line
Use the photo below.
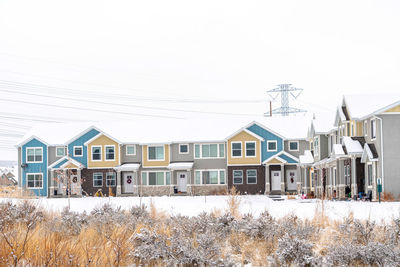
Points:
[(394, 109), (103, 141), (71, 166), (242, 137), (275, 161), (155, 163)]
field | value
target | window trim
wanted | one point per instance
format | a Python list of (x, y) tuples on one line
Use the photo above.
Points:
[(102, 178), (233, 176), (276, 145), (57, 155), (148, 153), (164, 178), (241, 149), (365, 128), (184, 153), (373, 129), (33, 173), (255, 149), (134, 149), (201, 150), (209, 170), (73, 149), (247, 176), (372, 175), (105, 153), (297, 142), (101, 153), (34, 154)]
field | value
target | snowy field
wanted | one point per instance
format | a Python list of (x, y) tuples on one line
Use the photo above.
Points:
[(191, 206)]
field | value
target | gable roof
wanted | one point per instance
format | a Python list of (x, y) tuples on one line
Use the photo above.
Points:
[(100, 134), (246, 131), (27, 140), (362, 106), (282, 156), (369, 153)]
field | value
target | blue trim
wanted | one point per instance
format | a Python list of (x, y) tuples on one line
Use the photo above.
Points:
[(268, 136), (288, 159), (60, 163), (35, 167), (81, 142)]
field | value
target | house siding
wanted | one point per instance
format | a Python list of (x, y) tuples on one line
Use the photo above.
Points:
[(87, 182), (268, 136), (243, 137), (35, 167), (156, 163), (245, 188), (134, 158), (303, 145), (177, 157), (81, 142), (103, 141)]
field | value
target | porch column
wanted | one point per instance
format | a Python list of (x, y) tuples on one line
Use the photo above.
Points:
[(51, 183), (299, 180), (353, 177), (118, 183), (267, 181), (283, 178), (79, 173)]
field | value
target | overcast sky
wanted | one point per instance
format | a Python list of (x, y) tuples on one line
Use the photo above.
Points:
[(186, 58)]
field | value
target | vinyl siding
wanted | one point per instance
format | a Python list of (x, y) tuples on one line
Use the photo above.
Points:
[(80, 142), (243, 160), (103, 141), (157, 163)]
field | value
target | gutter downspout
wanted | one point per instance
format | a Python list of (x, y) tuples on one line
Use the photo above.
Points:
[(383, 169)]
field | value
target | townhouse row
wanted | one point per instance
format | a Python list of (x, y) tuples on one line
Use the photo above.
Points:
[(349, 153), (196, 157)]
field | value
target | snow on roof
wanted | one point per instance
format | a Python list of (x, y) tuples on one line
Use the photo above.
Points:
[(323, 122), (147, 131), (128, 167), (361, 106), (180, 166), (307, 158), (338, 150), (352, 146)]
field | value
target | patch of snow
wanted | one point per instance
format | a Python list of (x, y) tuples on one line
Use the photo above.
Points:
[(307, 158), (352, 146)]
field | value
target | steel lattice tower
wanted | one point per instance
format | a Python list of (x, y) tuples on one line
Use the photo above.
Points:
[(285, 90)]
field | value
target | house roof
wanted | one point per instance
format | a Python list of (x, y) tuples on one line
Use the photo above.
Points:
[(352, 146), (363, 106), (323, 122), (306, 158), (146, 131), (369, 152)]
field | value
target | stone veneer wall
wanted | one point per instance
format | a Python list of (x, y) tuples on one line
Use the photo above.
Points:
[(208, 189)]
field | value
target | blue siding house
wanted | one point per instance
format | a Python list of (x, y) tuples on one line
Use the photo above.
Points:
[(79, 143), (268, 136)]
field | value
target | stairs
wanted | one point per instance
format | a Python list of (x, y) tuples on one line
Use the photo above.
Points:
[(276, 196)]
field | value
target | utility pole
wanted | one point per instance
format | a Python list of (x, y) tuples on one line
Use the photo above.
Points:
[(285, 91)]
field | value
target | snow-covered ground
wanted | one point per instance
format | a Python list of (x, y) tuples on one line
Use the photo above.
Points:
[(191, 206)]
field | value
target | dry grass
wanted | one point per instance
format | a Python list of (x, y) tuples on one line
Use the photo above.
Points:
[(387, 197), (234, 202), (15, 192)]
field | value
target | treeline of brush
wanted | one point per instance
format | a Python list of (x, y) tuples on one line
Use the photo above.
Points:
[(109, 236)]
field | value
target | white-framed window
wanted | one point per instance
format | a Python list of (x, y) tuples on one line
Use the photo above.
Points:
[(155, 153), (293, 145), (272, 145), (78, 151), (34, 180), (334, 176), (251, 176), (236, 149), (369, 174), (156, 178), (365, 128), (109, 152), (237, 177), (111, 180), (96, 153), (98, 179), (209, 151), (183, 149), (316, 145), (250, 149), (60, 151), (212, 177), (130, 150), (373, 129), (34, 154)]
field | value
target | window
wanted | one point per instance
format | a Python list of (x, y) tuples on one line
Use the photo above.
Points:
[(334, 176), (293, 146), (167, 178), (236, 149), (369, 174), (60, 151), (130, 150), (251, 176), (34, 180), (272, 145), (110, 152), (78, 151), (156, 153), (209, 151), (144, 178), (96, 153), (209, 177), (184, 149), (34, 154), (250, 149), (111, 180), (365, 128), (98, 179), (373, 129), (237, 177), (156, 178), (316, 145)]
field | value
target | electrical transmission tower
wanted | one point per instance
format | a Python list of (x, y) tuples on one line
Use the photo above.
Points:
[(285, 90)]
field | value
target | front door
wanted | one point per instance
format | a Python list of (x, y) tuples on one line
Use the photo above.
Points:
[(75, 185), (182, 182), (275, 180), (291, 180), (128, 182)]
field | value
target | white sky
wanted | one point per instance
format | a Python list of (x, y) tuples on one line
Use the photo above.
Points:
[(208, 56)]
